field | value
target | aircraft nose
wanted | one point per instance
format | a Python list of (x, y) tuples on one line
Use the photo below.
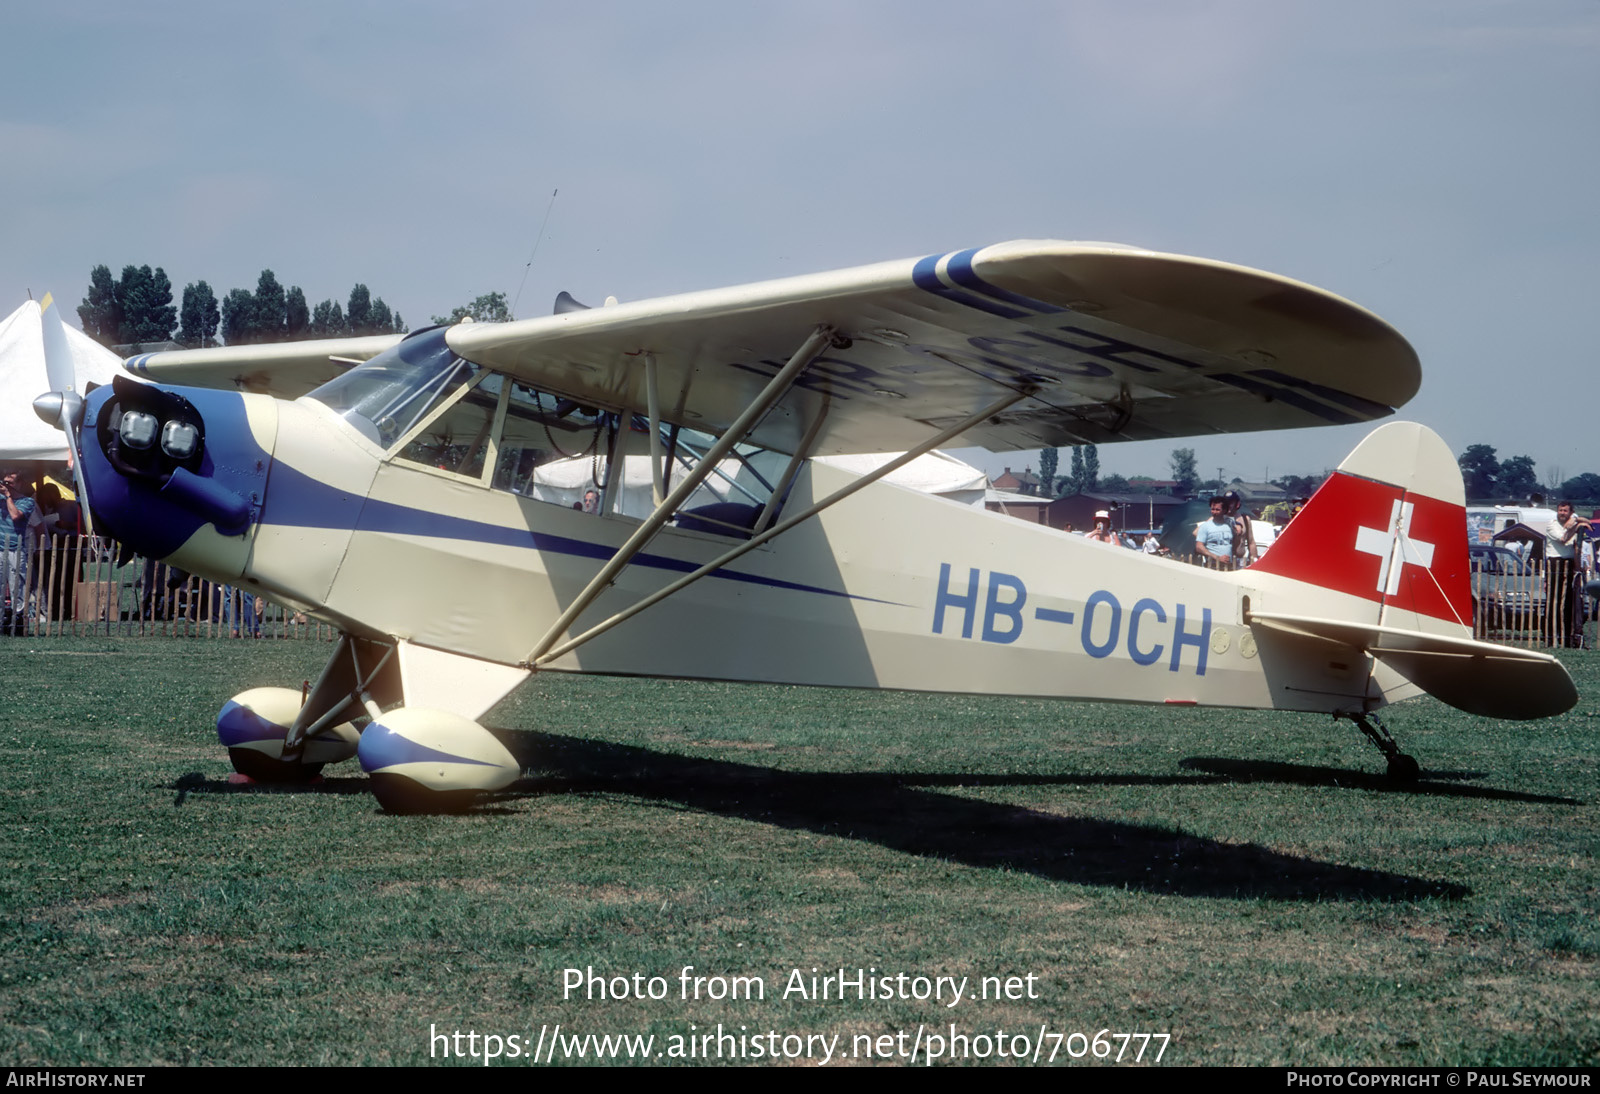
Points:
[(164, 466)]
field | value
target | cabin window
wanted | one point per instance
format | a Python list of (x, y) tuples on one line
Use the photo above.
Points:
[(555, 450), (731, 499), (455, 438), (550, 448)]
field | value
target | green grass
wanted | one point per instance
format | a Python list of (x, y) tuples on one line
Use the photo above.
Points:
[(1244, 882)]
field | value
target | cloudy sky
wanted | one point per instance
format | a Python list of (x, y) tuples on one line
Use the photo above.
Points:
[(1435, 161)]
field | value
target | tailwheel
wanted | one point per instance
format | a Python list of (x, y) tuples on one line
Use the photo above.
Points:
[(432, 761), (253, 724), (1403, 769)]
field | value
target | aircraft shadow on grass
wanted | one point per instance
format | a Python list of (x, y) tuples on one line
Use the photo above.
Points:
[(1441, 784), (900, 812)]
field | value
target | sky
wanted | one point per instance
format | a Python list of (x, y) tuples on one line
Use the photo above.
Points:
[(1436, 161)]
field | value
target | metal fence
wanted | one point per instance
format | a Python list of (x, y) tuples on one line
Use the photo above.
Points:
[(75, 586)]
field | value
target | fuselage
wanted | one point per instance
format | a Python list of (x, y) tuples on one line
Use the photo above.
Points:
[(890, 588)]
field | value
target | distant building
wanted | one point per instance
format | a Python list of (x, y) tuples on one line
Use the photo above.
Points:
[(1022, 506), (1020, 482), (1258, 495)]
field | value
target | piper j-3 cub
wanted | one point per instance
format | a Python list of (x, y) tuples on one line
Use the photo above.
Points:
[(405, 498)]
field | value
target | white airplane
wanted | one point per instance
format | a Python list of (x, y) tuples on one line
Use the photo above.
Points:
[(394, 501)]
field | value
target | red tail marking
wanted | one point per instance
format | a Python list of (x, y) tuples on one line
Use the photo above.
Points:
[(1375, 541)]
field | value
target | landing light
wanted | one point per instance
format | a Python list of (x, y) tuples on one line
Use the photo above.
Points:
[(178, 439), (138, 429)]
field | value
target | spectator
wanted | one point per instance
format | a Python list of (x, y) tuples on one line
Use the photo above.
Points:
[(1244, 540), (1214, 538), (1101, 532), (1562, 537), (19, 510)]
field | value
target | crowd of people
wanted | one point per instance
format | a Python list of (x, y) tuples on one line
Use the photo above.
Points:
[(36, 517), (1226, 541)]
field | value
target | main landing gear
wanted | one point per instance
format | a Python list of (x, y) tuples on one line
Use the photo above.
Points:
[(1403, 769), (418, 759)]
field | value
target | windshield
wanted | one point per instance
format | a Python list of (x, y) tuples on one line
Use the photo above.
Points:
[(387, 395), (1500, 561)]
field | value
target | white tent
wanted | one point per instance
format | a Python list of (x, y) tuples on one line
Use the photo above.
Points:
[(23, 436), (565, 481)]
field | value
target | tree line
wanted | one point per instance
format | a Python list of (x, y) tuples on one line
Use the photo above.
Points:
[(1085, 477), (1487, 478), (137, 309)]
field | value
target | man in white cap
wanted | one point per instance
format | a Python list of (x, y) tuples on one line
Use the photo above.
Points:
[(1102, 533)]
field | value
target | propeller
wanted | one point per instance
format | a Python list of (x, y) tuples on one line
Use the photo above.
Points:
[(62, 405)]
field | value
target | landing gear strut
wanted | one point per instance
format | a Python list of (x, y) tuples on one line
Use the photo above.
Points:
[(1402, 768)]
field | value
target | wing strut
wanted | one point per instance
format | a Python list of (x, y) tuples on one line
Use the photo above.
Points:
[(325, 703), (658, 487), (538, 659), (775, 390), (801, 455)]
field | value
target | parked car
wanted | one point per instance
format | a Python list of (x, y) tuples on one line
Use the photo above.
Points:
[(1506, 591)]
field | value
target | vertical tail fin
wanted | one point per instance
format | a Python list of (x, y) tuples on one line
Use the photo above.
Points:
[(1389, 528), (1384, 546)]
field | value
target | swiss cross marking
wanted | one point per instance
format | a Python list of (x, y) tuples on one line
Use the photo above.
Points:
[(1395, 547)]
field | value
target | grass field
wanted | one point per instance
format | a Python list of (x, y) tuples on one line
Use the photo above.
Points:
[(1243, 882)]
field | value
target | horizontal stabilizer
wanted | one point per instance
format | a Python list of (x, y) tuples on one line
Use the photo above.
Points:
[(1477, 677)]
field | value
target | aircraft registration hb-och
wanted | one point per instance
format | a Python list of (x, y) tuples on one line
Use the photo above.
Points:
[(402, 501)]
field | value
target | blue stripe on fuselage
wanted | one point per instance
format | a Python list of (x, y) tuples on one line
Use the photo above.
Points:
[(297, 500)]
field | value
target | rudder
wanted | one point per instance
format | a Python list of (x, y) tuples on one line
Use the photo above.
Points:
[(1387, 528)]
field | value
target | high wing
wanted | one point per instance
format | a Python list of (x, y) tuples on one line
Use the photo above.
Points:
[(285, 370), (1108, 342), (1111, 342)]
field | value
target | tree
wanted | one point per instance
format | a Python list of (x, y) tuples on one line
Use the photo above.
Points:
[(379, 321), (1479, 469), (137, 308), (100, 313), (1091, 467), (1185, 471), (359, 310), (327, 321), (493, 308), (1074, 483), (271, 309), (1115, 484), (1298, 486), (133, 298), (238, 317), (199, 315), (1049, 458), (147, 311), (1584, 487), (1516, 478), (297, 317)]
